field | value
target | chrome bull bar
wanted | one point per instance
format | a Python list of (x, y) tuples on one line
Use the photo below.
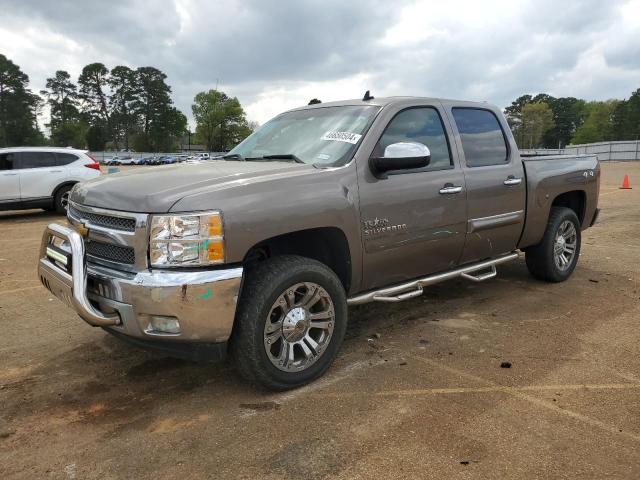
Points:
[(70, 287)]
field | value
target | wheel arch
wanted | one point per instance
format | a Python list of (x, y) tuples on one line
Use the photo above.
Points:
[(328, 245), (575, 200), (62, 185)]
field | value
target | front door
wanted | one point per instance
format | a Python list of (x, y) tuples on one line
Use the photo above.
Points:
[(9, 179), (413, 222), (495, 181)]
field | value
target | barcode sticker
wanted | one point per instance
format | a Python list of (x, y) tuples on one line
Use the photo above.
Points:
[(347, 137)]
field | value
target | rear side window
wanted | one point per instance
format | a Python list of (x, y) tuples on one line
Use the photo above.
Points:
[(483, 141), (66, 158), (6, 161), (36, 160), (419, 125)]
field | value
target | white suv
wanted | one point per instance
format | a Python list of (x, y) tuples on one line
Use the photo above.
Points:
[(41, 177)]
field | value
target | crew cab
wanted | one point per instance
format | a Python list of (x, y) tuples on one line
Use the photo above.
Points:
[(41, 177), (323, 207)]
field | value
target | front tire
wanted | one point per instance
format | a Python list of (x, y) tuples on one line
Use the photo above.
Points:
[(290, 322), (556, 256)]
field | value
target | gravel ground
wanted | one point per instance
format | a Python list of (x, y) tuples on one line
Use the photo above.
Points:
[(417, 391)]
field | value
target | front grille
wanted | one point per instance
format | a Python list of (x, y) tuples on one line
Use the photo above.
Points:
[(110, 252), (107, 221)]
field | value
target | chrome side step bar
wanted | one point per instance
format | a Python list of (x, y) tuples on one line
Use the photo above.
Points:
[(414, 288)]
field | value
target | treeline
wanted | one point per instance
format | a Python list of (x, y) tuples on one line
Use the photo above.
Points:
[(121, 108), (544, 121)]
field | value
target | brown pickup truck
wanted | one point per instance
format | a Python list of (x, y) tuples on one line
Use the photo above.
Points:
[(261, 252)]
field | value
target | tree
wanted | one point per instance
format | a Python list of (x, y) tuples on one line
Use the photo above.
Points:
[(122, 103), (626, 118), (161, 123), (513, 113), (18, 107), (598, 126), (93, 82), (314, 101), (66, 124), (537, 118), (96, 137), (568, 115), (221, 121)]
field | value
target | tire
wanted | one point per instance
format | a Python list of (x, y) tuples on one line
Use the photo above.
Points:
[(272, 316), (543, 260), (61, 199)]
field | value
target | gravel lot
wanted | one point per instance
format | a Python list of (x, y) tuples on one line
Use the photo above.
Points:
[(417, 391)]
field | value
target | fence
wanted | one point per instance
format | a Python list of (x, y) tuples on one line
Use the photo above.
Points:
[(606, 151)]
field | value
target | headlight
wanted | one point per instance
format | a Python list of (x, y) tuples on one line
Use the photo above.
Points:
[(186, 240)]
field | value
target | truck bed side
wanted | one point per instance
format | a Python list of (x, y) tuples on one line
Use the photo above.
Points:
[(567, 180)]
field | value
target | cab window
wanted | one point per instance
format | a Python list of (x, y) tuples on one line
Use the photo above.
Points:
[(482, 137), (418, 125)]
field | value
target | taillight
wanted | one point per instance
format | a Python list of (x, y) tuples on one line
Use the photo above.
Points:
[(95, 165)]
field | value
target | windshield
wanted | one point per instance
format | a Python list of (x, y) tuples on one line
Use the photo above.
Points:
[(324, 136)]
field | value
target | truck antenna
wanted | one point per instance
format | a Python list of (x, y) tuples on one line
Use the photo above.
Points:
[(367, 97)]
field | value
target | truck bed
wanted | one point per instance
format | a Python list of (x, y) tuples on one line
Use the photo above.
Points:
[(558, 180)]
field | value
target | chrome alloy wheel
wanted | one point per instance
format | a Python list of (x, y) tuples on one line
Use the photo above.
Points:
[(299, 327), (64, 199), (564, 247)]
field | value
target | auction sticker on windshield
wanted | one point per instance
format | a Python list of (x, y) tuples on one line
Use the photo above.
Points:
[(342, 137)]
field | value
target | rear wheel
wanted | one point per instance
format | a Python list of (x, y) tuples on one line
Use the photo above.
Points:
[(61, 199), (290, 322), (556, 256)]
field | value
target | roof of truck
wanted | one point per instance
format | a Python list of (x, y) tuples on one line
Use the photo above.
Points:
[(384, 101)]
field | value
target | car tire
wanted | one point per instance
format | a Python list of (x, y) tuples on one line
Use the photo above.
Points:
[(61, 199), (556, 256), (290, 322)]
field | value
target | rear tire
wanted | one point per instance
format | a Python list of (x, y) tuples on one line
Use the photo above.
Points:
[(290, 322), (61, 199), (556, 256)]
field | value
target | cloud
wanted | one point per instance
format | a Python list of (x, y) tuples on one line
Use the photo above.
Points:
[(276, 54)]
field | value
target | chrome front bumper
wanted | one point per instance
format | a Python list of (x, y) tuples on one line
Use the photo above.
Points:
[(203, 302)]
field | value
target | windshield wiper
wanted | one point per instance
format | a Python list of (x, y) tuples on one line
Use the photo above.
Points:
[(233, 156), (283, 156)]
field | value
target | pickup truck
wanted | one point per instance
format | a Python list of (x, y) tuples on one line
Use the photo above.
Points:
[(259, 255)]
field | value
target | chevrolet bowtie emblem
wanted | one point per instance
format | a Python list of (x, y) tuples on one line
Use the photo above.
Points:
[(81, 229)]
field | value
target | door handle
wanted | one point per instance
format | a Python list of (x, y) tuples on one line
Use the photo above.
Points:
[(9, 174), (55, 171), (511, 180), (449, 189)]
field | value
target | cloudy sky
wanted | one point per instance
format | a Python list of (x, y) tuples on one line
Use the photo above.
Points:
[(277, 54)]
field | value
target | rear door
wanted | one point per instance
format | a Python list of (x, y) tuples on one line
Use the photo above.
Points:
[(413, 222), (9, 179), (494, 178), (39, 174)]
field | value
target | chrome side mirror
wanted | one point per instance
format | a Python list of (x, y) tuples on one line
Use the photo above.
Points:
[(400, 156)]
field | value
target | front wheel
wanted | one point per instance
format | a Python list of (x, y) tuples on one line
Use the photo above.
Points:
[(556, 256), (291, 319)]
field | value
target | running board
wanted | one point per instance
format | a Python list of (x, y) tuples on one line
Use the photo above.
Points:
[(414, 288)]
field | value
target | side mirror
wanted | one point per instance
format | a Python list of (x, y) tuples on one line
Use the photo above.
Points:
[(400, 156)]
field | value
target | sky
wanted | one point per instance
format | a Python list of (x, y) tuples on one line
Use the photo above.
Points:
[(278, 54)]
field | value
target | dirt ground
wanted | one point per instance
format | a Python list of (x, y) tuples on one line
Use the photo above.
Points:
[(427, 399)]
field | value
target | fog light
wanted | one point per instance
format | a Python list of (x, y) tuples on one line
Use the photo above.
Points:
[(160, 324)]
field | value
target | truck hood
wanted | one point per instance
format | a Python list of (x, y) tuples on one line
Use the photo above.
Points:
[(157, 189)]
